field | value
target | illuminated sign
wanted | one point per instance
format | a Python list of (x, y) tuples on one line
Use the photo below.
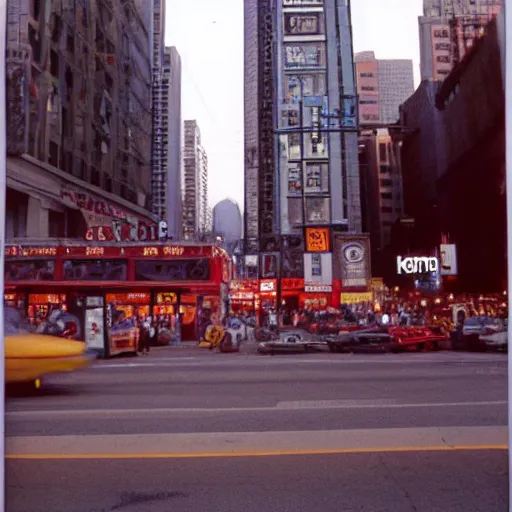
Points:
[(31, 252), (94, 251), (416, 265), (136, 297), (174, 251), (46, 298), (168, 298), (318, 288), (292, 284), (317, 240), (150, 251), (355, 298), (268, 286)]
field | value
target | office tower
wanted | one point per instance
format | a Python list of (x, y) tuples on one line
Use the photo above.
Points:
[(79, 119), (302, 185), (227, 221), (167, 147), (448, 29), (195, 184), (382, 85)]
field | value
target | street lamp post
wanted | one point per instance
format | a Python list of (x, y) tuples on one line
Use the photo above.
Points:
[(3, 190), (508, 147)]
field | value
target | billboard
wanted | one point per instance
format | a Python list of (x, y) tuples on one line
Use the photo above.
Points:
[(304, 55), (303, 24), (318, 269), (353, 260), (448, 258)]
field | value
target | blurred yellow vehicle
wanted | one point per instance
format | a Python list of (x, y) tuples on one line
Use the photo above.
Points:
[(29, 357)]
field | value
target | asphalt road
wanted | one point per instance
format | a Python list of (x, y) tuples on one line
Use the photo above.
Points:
[(229, 432)]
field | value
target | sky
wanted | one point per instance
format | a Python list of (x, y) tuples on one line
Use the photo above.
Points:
[(209, 37)]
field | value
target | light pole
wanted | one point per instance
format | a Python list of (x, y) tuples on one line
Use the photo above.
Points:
[(508, 148), (3, 187)]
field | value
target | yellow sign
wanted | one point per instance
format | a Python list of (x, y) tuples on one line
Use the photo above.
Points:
[(354, 298), (317, 239)]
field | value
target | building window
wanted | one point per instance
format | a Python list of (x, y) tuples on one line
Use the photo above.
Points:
[(443, 58), (386, 195), (295, 211), (384, 168), (310, 84), (386, 183), (383, 153), (316, 265), (366, 75), (387, 209)]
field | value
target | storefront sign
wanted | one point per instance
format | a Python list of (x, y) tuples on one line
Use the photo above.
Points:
[(290, 284), (317, 288), (91, 204), (415, 265), (129, 298), (317, 240), (150, 251), (30, 252), (174, 250), (118, 231), (46, 298), (355, 298), (245, 284), (166, 298), (267, 286), (242, 296)]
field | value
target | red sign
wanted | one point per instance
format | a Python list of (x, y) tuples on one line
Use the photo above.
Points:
[(245, 285), (119, 231), (30, 252), (91, 204), (292, 284)]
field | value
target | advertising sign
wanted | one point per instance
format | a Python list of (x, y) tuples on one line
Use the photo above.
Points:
[(448, 260), (301, 24), (304, 55), (94, 332), (268, 286), (317, 240), (356, 298), (353, 253), (416, 265), (318, 268), (318, 288)]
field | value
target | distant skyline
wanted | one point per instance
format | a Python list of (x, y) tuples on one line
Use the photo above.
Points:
[(209, 37)]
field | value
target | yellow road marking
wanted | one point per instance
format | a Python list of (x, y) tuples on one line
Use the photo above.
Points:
[(276, 453)]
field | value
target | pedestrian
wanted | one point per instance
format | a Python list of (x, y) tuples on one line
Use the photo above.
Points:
[(145, 337)]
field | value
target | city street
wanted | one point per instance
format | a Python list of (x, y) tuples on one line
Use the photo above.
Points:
[(201, 431)]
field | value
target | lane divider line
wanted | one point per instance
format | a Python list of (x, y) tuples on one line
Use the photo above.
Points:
[(275, 453)]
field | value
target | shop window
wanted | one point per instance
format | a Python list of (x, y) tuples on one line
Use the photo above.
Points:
[(95, 270)]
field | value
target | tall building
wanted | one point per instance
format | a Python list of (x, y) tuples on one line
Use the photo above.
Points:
[(195, 184), (167, 146), (448, 29), (79, 120), (227, 221), (302, 190), (382, 86), (381, 185)]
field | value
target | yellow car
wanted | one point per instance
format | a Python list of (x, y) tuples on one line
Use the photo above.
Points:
[(29, 357)]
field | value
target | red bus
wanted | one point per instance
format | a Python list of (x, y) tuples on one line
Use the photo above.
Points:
[(109, 288)]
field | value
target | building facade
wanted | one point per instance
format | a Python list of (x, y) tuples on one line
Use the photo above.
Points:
[(195, 184), (381, 190), (78, 120), (448, 29), (453, 160), (382, 86), (167, 142), (303, 184)]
